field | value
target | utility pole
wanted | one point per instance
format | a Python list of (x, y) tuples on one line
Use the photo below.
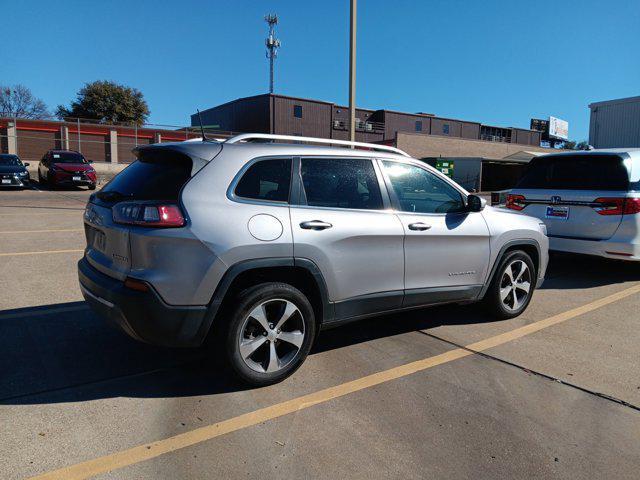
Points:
[(352, 73), (272, 44)]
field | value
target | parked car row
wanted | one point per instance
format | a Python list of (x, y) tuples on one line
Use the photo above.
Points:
[(13, 173), (57, 168)]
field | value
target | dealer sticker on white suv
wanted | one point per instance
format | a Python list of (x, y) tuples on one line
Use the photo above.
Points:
[(561, 213)]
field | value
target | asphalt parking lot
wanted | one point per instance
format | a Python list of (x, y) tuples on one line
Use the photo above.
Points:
[(438, 393)]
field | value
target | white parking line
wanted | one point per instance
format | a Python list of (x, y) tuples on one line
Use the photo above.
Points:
[(43, 231), (13, 254)]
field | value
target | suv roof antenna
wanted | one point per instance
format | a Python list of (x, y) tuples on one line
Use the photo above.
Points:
[(204, 137)]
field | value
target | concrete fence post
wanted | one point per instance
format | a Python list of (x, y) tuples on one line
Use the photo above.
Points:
[(64, 137), (157, 138), (79, 134), (113, 145), (12, 138)]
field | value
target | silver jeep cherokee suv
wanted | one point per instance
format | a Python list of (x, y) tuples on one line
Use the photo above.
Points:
[(260, 245)]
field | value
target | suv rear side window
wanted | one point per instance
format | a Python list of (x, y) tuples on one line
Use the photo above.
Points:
[(576, 172), (420, 191), (266, 180), (341, 183)]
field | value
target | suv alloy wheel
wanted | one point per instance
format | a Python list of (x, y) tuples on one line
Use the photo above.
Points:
[(270, 332), (512, 285)]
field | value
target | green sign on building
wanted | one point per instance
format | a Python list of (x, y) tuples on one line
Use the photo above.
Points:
[(445, 166)]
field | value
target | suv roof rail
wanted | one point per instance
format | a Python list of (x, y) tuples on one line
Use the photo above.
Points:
[(328, 141)]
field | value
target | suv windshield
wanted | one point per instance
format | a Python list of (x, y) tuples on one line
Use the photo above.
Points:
[(576, 172), (67, 157), (10, 160)]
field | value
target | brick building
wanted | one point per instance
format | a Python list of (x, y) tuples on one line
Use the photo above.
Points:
[(279, 114)]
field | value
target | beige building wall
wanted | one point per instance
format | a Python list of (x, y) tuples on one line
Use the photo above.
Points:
[(420, 146)]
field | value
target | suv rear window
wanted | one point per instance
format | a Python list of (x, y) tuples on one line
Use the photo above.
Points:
[(156, 175), (576, 172)]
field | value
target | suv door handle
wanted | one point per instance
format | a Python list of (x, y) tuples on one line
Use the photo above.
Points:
[(315, 225), (419, 226)]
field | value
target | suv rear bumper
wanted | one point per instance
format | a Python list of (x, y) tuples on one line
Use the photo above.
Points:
[(601, 248), (142, 315)]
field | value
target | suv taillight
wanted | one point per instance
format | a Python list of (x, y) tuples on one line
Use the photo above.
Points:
[(515, 202), (148, 214), (617, 206)]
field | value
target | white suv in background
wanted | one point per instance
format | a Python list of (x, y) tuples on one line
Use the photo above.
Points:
[(589, 201)]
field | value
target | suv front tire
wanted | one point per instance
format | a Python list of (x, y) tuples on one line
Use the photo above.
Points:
[(271, 328), (512, 285)]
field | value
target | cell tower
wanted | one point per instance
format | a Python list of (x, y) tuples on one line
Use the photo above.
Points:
[(272, 44)]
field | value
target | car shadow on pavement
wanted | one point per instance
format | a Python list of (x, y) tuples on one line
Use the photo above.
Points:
[(65, 353), (572, 271)]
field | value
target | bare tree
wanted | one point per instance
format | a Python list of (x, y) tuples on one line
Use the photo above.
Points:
[(18, 101)]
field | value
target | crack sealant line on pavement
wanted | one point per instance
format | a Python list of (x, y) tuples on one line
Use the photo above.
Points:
[(147, 451), (534, 372)]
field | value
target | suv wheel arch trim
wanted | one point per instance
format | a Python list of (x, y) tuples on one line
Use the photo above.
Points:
[(500, 256), (261, 263)]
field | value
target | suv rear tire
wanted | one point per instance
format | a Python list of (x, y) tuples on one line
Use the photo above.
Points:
[(270, 330), (512, 286)]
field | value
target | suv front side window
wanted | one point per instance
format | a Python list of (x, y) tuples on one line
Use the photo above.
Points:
[(420, 191), (341, 183), (266, 180)]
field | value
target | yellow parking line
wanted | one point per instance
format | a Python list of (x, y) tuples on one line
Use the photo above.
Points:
[(151, 450), (13, 254), (44, 231)]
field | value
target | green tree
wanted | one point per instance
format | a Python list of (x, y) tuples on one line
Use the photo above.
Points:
[(107, 102), (18, 101), (569, 145)]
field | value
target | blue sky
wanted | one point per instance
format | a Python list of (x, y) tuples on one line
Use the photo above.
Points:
[(493, 61)]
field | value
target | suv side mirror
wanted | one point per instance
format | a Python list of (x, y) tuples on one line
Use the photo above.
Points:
[(90, 161), (475, 203)]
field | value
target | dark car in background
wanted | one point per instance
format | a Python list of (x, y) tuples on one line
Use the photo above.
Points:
[(13, 173), (65, 168)]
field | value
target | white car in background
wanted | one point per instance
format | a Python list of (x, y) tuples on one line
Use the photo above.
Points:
[(589, 201)]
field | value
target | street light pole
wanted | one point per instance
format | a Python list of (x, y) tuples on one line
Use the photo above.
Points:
[(352, 74)]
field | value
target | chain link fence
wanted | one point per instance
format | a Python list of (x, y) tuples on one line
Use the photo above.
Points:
[(112, 143)]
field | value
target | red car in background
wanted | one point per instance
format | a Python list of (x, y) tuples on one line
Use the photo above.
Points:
[(60, 168)]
